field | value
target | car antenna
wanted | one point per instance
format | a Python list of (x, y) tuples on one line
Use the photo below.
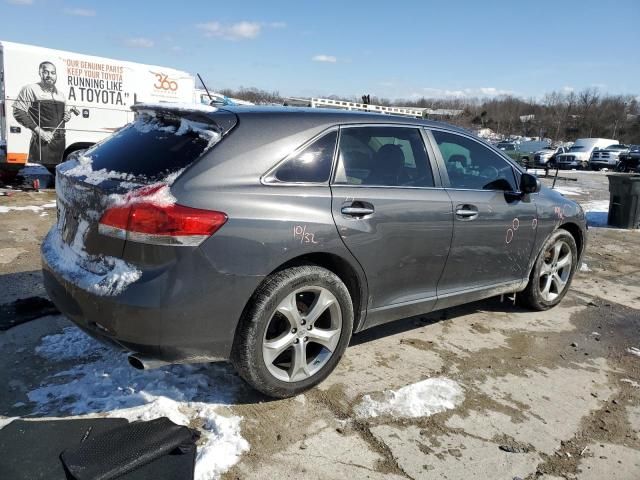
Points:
[(205, 87)]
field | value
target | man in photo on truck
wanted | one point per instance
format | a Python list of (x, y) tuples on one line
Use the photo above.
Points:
[(40, 107)]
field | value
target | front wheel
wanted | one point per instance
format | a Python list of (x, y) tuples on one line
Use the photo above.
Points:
[(552, 273), (294, 331)]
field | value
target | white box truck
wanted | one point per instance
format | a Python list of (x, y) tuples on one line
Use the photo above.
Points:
[(580, 152), (54, 102)]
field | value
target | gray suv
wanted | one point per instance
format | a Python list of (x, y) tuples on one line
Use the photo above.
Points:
[(268, 236)]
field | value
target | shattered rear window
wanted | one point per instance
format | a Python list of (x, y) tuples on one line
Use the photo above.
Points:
[(154, 146)]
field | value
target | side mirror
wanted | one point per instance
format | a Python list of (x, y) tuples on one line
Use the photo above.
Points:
[(529, 183)]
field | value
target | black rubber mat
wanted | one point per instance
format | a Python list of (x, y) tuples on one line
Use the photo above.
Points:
[(118, 449), (115, 453), (30, 450)]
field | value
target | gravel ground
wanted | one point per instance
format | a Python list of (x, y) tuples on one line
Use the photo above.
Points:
[(544, 395)]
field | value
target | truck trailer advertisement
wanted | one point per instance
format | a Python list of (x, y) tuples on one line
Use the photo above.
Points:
[(55, 102)]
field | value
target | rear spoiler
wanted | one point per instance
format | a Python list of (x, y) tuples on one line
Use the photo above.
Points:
[(218, 117)]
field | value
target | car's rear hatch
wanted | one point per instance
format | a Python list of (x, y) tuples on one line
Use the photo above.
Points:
[(144, 156)]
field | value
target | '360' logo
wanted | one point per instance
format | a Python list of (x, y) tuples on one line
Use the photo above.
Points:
[(164, 82)]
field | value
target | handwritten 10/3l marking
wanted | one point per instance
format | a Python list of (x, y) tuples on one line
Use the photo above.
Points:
[(300, 233)]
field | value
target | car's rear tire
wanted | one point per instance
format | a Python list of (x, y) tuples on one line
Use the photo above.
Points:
[(293, 331), (552, 272)]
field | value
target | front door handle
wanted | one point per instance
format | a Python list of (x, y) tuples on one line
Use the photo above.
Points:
[(466, 212), (357, 209)]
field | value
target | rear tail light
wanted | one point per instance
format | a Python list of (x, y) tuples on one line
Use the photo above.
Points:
[(141, 219)]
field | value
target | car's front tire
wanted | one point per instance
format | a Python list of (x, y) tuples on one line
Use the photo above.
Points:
[(294, 331), (552, 272)]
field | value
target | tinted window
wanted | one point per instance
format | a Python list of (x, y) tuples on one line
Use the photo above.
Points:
[(471, 165), (389, 156), (312, 164), (153, 146)]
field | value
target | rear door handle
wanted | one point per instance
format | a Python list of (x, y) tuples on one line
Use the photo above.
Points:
[(466, 212), (357, 209)]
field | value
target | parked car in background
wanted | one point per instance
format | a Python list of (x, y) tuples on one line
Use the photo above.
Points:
[(579, 153), (629, 161), (547, 156), (607, 157), (521, 152), (269, 235)]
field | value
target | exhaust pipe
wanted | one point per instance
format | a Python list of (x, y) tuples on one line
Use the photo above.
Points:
[(144, 363)]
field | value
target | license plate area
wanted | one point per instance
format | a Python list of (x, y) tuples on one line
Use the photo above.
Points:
[(67, 223)]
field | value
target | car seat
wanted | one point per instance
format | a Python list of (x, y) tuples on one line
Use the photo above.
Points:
[(388, 167)]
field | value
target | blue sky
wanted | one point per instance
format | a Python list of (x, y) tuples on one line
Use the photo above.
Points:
[(394, 49)]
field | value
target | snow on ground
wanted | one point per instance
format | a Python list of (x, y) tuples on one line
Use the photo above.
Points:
[(634, 351), (584, 267), (103, 383), (33, 208), (420, 399), (569, 191), (597, 212)]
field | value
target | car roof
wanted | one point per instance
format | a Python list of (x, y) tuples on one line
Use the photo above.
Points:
[(332, 116)]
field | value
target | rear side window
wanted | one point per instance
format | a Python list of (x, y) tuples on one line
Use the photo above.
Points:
[(310, 165), (154, 146), (383, 156)]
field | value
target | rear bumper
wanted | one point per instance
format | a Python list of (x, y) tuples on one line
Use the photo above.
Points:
[(165, 314)]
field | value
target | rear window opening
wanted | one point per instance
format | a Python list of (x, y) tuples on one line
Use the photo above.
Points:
[(151, 148)]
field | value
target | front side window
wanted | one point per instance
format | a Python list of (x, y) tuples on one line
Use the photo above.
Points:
[(471, 165), (383, 156), (310, 165)]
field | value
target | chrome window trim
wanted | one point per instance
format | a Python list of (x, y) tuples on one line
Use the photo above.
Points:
[(404, 187)]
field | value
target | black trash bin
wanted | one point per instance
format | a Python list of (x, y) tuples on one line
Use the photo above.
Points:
[(624, 200)]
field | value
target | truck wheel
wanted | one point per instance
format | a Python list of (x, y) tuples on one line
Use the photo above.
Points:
[(294, 331), (552, 273)]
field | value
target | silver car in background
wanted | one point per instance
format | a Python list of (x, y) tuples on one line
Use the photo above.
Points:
[(547, 156)]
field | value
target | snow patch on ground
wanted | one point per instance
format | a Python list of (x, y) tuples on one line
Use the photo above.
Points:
[(103, 383), (421, 399), (585, 268), (631, 382), (569, 191), (32, 208), (597, 212), (634, 351)]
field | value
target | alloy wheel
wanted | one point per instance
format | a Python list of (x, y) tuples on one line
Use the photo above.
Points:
[(302, 334), (555, 271)]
